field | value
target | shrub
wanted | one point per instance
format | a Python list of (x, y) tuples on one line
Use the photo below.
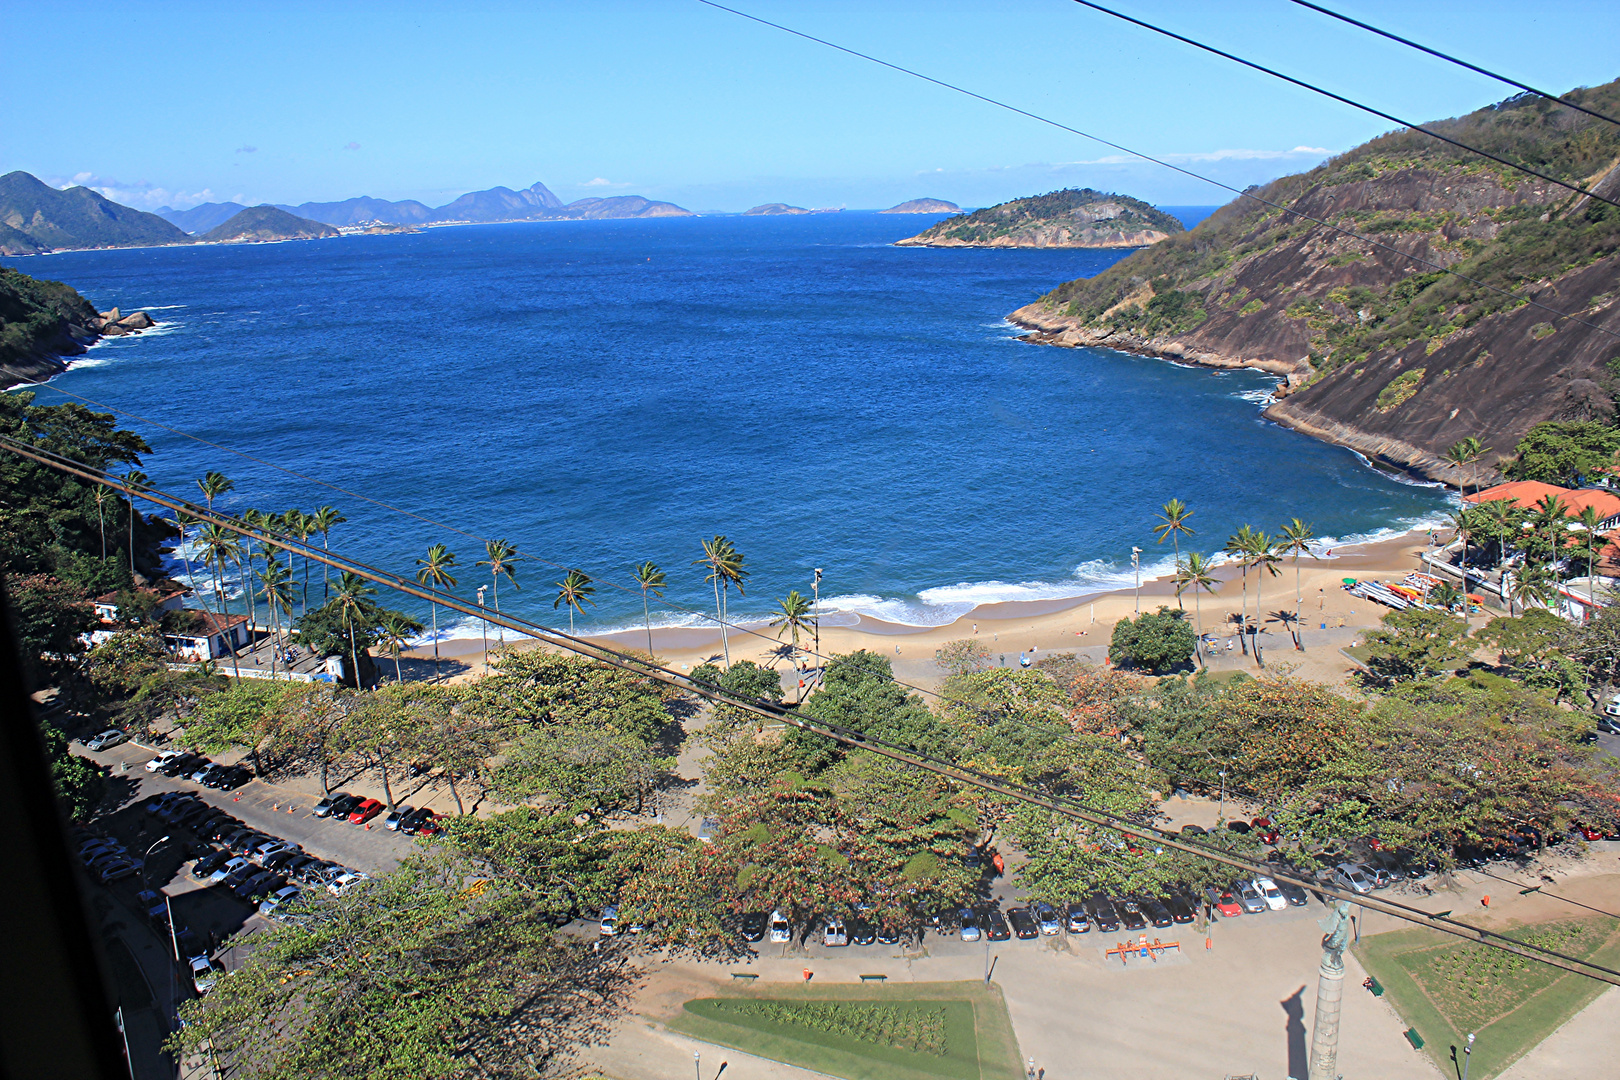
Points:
[(1400, 389), (1158, 641)]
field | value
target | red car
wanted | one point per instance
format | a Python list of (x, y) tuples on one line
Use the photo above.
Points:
[(366, 811), (1224, 902), (1588, 833), (1267, 831)]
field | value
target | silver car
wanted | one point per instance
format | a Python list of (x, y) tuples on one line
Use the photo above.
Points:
[(1353, 876), (1249, 897), (106, 740)]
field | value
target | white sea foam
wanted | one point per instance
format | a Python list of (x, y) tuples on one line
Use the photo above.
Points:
[(1261, 398)]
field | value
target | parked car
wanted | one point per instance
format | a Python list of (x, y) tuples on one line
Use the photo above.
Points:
[(318, 872), (204, 974), (205, 866), (242, 843), (175, 807), (1156, 912), (1023, 924), (256, 885), (364, 811), (211, 776), (1247, 895), (1352, 876), (348, 880), (189, 816), (218, 827), (1047, 918), (1273, 896), (609, 924), (1265, 829), (834, 933), (117, 871), (343, 806), (1103, 914), (423, 822), (234, 777), (185, 763), (752, 926), (781, 928), (328, 806), (1130, 914), (294, 867), (1238, 825), (106, 740), (280, 860), (272, 903), (201, 770), (1078, 921), (995, 925), (1180, 908), (861, 932), (1194, 830), (240, 874), (1296, 896), (224, 870), (888, 935), (1611, 707), (163, 758), (271, 847), (397, 815), (1224, 901), (969, 922)]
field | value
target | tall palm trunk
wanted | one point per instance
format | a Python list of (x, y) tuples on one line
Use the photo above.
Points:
[(434, 606), (1176, 543), (720, 617), (388, 788), (1243, 622), (500, 631), (1198, 614), (646, 618), (454, 794), (1259, 581)]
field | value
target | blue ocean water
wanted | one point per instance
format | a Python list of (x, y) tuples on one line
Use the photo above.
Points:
[(603, 393)]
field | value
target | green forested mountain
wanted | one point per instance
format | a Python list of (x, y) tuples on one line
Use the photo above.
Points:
[(39, 321), (1076, 217), (38, 217), (1345, 318), (264, 223)]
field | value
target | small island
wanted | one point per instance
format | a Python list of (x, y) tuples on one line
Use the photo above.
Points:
[(1073, 218), (266, 224), (766, 209), (924, 206)]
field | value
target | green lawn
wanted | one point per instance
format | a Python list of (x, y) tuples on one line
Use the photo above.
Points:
[(908, 1031), (1447, 988)]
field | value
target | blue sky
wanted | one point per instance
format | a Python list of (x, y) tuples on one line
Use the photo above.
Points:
[(179, 103)]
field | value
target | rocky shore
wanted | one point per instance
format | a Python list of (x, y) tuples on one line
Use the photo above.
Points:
[(49, 354)]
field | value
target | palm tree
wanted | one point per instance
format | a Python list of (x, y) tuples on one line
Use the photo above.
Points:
[(1498, 513), (1240, 546), (1296, 538), (1174, 525), (725, 569), (395, 630), (651, 580), (1265, 556), (276, 588), (793, 613), (214, 484), (135, 480), (298, 527), (100, 493), (1591, 521), (322, 522), (1448, 597), (435, 574), (352, 590), (1196, 574), (1462, 455), (502, 559), (1533, 583), (575, 590), (1553, 512), (218, 545)]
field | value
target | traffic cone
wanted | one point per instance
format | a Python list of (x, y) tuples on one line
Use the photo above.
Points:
[(275, 806), (368, 826), (289, 809), (237, 799)]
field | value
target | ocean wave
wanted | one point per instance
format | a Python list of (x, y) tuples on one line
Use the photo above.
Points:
[(1400, 476), (1261, 398)]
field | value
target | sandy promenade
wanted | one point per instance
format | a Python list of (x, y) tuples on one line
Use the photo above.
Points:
[(1330, 618)]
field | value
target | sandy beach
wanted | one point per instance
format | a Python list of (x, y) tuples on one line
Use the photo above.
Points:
[(1330, 619)]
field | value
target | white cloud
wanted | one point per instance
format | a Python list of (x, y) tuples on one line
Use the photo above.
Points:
[(351, 146), (142, 195), (246, 149), (602, 181)]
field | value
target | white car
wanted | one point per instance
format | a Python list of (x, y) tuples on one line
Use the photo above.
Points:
[(834, 933), (106, 740), (346, 881), (1269, 892), (230, 867), (1612, 706), (610, 921), (781, 929), (162, 759), (204, 973)]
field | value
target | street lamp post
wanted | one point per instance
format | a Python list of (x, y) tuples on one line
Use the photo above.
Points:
[(1136, 568), (697, 1064), (1468, 1052), (146, 883), (486, 627), (1220, 810), (815, 587)]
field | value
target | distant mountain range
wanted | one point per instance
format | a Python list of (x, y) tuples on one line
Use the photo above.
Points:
[(497, 204)]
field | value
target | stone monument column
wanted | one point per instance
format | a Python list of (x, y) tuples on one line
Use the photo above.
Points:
[(1330, 993)]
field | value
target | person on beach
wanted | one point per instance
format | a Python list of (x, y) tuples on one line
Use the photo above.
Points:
[(975, 628)]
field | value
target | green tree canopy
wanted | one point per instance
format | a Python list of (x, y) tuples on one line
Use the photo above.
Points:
[(1154, 641), (1556, 452)]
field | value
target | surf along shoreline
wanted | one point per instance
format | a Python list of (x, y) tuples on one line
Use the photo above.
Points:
[(1083, 624)]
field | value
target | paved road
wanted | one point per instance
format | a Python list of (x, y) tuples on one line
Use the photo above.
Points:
[(276, 810)]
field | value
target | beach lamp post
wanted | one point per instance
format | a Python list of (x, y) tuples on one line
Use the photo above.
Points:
[(1136, 568), (697, 1064), (815, 587), (485, 623), (1468, 1055)]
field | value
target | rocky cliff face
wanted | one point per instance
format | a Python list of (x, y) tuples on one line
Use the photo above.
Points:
[(1379, 350), (43, 321)]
